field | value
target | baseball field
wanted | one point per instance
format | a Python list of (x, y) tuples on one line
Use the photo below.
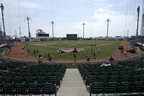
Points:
[(107, 48)]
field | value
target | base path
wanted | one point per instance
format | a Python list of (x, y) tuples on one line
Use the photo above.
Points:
[(15, 53), (72, 84)]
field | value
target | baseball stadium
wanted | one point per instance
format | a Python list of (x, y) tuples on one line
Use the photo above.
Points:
[(60, 62)]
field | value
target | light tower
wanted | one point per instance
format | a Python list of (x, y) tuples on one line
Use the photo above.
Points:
[(52, 22), (142, 22), (2, 10), (138, 13), (108, 20), (0, 32), (28, 21), (83, 29), (128, 33), (20, 31)]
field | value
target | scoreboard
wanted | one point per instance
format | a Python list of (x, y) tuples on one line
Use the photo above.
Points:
[(71, 36)]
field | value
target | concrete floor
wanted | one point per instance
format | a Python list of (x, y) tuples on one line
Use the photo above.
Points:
[(72, 84)]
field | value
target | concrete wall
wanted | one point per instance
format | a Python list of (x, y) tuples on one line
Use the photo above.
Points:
[(73, 64), (68, 64)]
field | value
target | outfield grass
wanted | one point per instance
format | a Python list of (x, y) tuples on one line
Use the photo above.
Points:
[(53, 46)]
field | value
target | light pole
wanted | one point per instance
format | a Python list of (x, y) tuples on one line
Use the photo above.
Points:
[(128, 33), (2, 9), (83, 29), (107, 27), (28, 19), (20, 31), (52, 28), (138, 13)]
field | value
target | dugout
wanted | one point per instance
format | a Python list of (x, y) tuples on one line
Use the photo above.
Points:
[(71, 36)]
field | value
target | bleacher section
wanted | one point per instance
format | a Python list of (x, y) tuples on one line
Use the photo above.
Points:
[(18, 78), (125, 77), (6, 45), (137, 43)]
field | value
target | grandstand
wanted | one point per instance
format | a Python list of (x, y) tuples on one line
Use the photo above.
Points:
[(122, 78), (137, 43), (6, 45), (125, 77), (25, 79)]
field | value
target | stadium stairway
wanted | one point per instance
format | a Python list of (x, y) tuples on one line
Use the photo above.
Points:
[(72, 84)]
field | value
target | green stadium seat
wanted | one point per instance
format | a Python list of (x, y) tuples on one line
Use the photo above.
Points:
[(34, 89), (48, 89)]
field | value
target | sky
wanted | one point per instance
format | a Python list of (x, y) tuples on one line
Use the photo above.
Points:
[(68, 16)]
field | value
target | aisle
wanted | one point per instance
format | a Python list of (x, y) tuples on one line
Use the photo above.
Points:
[(72, 84)]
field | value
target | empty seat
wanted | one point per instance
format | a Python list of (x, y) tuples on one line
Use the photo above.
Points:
[(48, 88), (34, 89), (7, 88), (21, 88)]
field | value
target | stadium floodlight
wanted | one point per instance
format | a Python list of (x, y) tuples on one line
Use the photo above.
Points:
[(52, 22), (2, 10), (138, 13), (20, 31), (28, 21), (83, 29), (108, 20)]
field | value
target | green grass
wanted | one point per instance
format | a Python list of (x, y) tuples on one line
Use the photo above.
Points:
[(53, 46)]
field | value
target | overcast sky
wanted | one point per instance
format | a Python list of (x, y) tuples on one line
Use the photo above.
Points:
[(69, 15)]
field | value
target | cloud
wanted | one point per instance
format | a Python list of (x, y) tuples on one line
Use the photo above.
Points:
[(98, 25), (119, 23), (99, 0), (102, 13), (28, 4)]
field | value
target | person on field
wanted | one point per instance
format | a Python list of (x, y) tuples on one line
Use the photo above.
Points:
[(39, 59), (98, 50), (88, 57), (22, 50), (28, 52), (121, 50), (75, 50), (49, 57), (111, 59), (37, 50), (125, 53), (34, 51), (74, 55)]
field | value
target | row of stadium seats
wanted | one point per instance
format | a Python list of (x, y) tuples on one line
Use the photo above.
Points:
[(24, 89), (112, 79), (115, 87), (132, 64), (30, 79), (133, 95)]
